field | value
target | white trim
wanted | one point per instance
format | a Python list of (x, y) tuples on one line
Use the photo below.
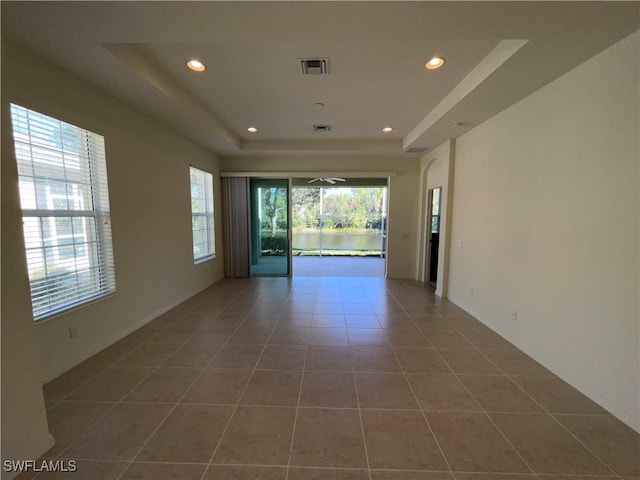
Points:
[(309, 174)]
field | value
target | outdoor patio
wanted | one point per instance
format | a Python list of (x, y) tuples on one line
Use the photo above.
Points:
[(339, 266)]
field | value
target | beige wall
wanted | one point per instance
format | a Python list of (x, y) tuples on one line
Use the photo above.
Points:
[(546, 206), (403, 192), (148, 170)]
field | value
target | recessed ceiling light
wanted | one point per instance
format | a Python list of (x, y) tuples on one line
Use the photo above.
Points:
[(387, 129), (196, 65), (435, 63), (252, 129)]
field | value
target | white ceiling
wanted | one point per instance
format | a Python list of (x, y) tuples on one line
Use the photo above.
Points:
[(496, 52)]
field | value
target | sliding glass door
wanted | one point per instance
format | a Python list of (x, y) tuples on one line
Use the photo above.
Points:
[(270, 246)]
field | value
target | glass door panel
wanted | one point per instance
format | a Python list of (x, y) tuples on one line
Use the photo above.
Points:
[(270, 252)]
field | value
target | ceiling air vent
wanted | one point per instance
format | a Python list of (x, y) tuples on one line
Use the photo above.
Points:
[(321, 128), (315, 66), (416, 150)]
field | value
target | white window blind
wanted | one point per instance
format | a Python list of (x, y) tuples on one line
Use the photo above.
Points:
[(65, 211), (202, 215)]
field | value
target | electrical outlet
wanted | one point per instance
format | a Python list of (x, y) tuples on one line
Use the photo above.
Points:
[(514, 315), (73, 333)]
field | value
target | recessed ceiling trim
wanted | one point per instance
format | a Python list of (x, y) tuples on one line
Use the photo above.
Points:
[(492, 62), (135, 57)]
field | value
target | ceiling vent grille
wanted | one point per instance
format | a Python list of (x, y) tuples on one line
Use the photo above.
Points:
[(416, 150), (315, 66), (321, 128)]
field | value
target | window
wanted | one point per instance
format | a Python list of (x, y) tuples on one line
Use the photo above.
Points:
[(202, 215), (65, 212)]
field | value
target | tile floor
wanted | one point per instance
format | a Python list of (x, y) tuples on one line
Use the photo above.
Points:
[(326, 378)]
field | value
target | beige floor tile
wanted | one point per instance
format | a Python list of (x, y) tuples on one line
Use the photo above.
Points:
[(441, 338), (357, 309), (173, 335), (251, 336), (400, 439), (257, 436), (406, 337), (328, 438), (65, 384), (165, 385), (163, 471), (272, 387), (285, 335), (86, 469), (206, 335), (67, 420), (515, 362), (546, 446), (409, 475), (497, 393), (374, 359), (148, 355), (327, 474), (328, 358), (367, 336), (218, 386), (283, 357), (384, 390), (464, 360), (362, 321), (472, 443), (112, 384), (583, 477), (189, 434), (328, 308), (557, 396), (421, 360), (495, 476), (223, 472), (237, 356), (120, 433), (111, 354), (328, 336), (328, 320), (193, 355), (328, 389), (610, 439), (441, 392), (431, 322), (297, 314), (484, 338)]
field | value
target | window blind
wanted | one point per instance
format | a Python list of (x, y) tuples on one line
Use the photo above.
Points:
[(64, 198), (202, 215)]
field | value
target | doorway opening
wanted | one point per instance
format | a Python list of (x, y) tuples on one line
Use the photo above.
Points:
[(339, 226), (433, 246), (269, 230)]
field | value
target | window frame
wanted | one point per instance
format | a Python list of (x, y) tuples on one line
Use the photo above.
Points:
[(206, 180), (60, 164)]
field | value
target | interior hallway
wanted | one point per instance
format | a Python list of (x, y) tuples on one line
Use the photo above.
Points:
[(326, 378)]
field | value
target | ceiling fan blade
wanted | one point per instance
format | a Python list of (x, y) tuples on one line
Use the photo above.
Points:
[(329, 180), (314, 180), (338, 179)]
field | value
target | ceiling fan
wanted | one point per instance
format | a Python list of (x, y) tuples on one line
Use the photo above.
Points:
[(331, 180)]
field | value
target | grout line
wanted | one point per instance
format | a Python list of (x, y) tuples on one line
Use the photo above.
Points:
[(115, 403), (133, 458), (509, 377), (235, 408), (415, 398), (295, 418), (364, 440)]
